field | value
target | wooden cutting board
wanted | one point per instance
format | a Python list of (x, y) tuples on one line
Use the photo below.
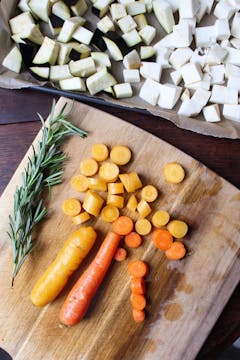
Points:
[(185, 297)]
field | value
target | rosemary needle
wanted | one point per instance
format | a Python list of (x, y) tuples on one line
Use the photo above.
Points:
[(44, 169)]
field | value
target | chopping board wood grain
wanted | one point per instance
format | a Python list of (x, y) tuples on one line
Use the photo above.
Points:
[(184, 297)]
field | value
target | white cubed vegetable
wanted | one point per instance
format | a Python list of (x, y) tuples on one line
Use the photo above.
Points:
[(162, 57), (174, 4), (168, 41), (235, 28), (235, 4), (136, 8), (191, 73), (100, 59), (117, 11), (67, 30), (204, 83), (131, 75), (231, 112), (83, 68), (164, 13), (216, 55), (224, 95), (188, 8), (83, 35), (127, 24), (180, 57), (224, 10), (191, 22), (234, 82), (141, 21), (182, 35), (13, 60), (124, 2), (211, 113), (209, 4), (185, 95), (176, 76), (225, 43), (233, 56), (105, 25), (201, 96), (151, 70), (100, 81), (123, 90), (205, 36), (232, 70), (150, 91), (74, 83), (189, 108), (222, 29), (235, 43), (169, 95), (132, 60), (59, 72), (147, 34), (147, 52), (23, 5), (131, 38), (20, 23), (201, 11), (196, 58), (217, 73)]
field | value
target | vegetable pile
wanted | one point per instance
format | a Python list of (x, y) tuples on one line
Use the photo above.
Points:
[(102, 181), (55, 42)]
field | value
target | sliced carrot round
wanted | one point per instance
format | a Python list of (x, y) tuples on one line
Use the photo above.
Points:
[(138, 268), (89, 167), (176, 252), (138, 301), (79, 183), (71, 207), (143, 226), (162, 239), (138, 315), (138, 286), (99, 152), (133, 240), (121, 254), (123, 225)]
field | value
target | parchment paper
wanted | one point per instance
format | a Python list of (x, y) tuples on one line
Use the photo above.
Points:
[(11, 80)]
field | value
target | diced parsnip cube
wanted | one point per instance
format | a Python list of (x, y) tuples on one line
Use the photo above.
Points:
[(176, 76), (205, 36), (151, 70), (117, 11), (115, 200), (92, 203), (132, 60), (68, 28), (197, 58), (115, 188), (234, 82), (150, 91), (182, 34), (188, 8), (201, 96), (217, 73), (233, 56), (127, 24), (83, 35), (105, 25), (162, 57), (132, 203), (224, 95), (169, 96), (211, 113), (74, 83), (204, 83), (231, 112), (191, 22), (131, 38), (60, 9), (147, 34), (180, 57), (222, 29), (231, 69), (79, 8), (143, 208), (136, 8), (131, 75), (20, 23), (141, 21), (185, 95), (40, 8), (47, 53), (189, 108), (216, 55), (100, 58), (100, 81), (224, 10), (235, 28), (191, 73), (84, 67), (168, 41), (164, 14), (123, 90), (59, 72)]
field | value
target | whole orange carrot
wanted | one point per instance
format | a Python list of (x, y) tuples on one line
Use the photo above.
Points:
[(78, 300)]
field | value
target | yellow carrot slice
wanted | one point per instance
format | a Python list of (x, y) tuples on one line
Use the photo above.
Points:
[(143, 227), (120, 154), (131, 181), (79, 183), (173, 173), (177, 228), (149, 193), (89, 167), (115, 200), (143, 208), (109, 172), (81, 218), (99, 152), (97, 184), (160, 218), (71, 207), (67, 261), (132, 203), (93, 203), (115, 188), (109, 213)]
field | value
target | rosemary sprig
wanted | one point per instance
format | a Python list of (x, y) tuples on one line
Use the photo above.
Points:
[(44, 169)]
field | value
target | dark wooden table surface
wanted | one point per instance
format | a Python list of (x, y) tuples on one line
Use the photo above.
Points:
[(19, 127)]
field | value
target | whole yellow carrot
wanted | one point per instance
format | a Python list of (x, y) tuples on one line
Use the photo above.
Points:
[(67, 261)]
